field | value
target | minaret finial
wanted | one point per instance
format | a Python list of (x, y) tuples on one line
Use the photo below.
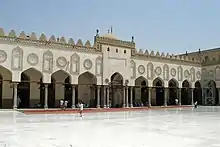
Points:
[(111, 30)]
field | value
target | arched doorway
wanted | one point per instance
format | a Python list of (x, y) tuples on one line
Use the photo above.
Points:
[(29, 90), (24, 92), (173, 91), (210, 93), (87, 89), (159, 91), (197, 93), (141, 91), (59, 89), (116, 90), (6, 90), (185, 98)]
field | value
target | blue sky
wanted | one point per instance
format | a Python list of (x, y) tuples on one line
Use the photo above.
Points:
[(172, 26)]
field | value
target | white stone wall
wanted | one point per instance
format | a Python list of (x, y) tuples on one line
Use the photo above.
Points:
[(45, 63)]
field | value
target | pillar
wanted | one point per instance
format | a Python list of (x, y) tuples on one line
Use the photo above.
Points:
[(98, 97), (107, 97), (124, 97), (131, 97), (149, 96), (73, 97), (166, 96), (180, 89), (127, 104), (104, 96), (46, 96), (15, 91), (192, 100)]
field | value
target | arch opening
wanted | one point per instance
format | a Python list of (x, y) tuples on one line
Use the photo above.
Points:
[(173, 91), (197, 93), (158, 93), (141, 92), (28, 89), (6, 95), (116, 90), (210, 93), (87, 89), (185, 97), (59, 88)]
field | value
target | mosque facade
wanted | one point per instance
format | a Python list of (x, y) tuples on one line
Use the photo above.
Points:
[(39, 72)]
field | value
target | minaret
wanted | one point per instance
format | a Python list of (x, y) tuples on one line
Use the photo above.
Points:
[(111, 30)]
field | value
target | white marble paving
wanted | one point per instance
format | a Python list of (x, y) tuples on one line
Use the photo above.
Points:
[(184, 127)]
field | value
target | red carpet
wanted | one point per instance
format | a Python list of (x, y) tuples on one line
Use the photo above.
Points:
[(93, 110)]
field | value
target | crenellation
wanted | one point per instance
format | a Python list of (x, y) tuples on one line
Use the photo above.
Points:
[(22, 35), (88, 44), (33, 36), (12, 34), (146, 52), (43, 37), (79, 43), (152, 53), (71, 41), (158, 54), (53, 39), (140, 51), (62, 40)]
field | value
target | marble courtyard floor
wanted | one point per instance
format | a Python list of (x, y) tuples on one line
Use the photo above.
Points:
[(168, 127)]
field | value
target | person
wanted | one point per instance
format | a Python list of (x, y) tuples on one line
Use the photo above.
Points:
[(65, 104), (80, 109), (176, 101), (195, 105), (61, 104)]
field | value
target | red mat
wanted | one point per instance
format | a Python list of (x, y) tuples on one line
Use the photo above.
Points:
[(94, 110)]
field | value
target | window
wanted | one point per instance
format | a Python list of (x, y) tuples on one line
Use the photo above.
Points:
[(125, 51), (116, 50), (108, 49)]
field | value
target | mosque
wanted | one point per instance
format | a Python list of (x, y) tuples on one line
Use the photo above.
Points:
[(39, 72)]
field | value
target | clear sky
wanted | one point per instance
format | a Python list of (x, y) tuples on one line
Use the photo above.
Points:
[(172, 26)]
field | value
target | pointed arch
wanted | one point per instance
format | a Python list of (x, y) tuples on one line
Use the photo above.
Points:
[(75, 64), (17, 58), (117, 78), (150, 70), (173, 83), (139, 81), (158, 81), (197, 93), (173, 91), (61, 75), (165, 72), (47, 62), (34, 74)]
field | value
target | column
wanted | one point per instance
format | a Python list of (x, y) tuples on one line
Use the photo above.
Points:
[(124, 97), (192, 100), (131, 97), (127, 104), (46, 96), (180, 89), (107, 97), (104, 96), (149, 96), (98, 97), (73, 97), (15, 91), (165, 96)]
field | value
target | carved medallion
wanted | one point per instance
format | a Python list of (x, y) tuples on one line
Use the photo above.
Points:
[(186, 73), (3, 56), (173, 72), (87, 64), (141, 69), (32, 59), (198, 74), (61, 62), (158, 70)]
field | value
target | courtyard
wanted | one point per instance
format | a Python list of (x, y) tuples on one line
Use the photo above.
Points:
[(165, 127)]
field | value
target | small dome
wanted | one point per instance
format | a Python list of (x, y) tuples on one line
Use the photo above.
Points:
[(110, 36)]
